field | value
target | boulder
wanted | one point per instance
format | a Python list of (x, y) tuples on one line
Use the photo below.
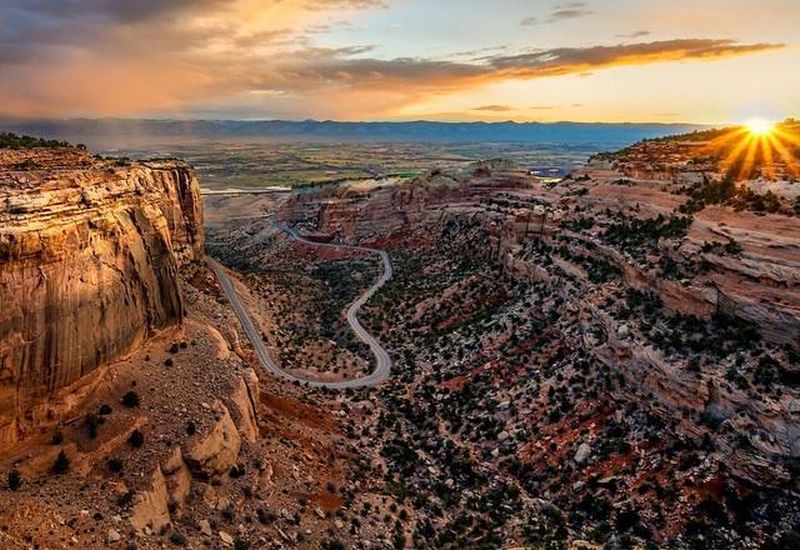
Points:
[(217, 452), (245, 398), (178, 477), (583, 452), (151, 510)]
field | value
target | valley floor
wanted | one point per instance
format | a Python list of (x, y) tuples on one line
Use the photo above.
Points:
[(588, 363)]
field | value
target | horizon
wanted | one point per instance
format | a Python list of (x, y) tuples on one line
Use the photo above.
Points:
[(589, 61), (128, 134), (24, 120)]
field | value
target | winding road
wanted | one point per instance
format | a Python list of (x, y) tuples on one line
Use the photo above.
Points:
[(384, 362)]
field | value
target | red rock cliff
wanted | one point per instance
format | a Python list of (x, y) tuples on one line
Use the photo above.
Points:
[(89, 255)]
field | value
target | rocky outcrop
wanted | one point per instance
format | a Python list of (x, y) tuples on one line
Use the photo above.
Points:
[(151, 509), (178, 479), (363, 211), (245, 397), (217, 452), (89, 255)]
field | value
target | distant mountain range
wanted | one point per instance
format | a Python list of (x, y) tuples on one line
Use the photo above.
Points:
[(100, 131)]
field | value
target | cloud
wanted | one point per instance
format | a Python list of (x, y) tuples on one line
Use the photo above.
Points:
[(494, 108), (561, 61), (636, 34), (327, 65), (111, 10), (254, 58), (568, 13), (346, 4), (572, 10), (554, 107)]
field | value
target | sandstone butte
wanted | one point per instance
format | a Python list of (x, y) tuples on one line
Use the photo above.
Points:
[(89, 255)]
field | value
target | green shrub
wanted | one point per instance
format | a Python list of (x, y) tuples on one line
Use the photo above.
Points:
[(13, 141)]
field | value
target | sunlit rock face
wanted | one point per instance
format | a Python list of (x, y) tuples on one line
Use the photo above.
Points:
[(89, 254)]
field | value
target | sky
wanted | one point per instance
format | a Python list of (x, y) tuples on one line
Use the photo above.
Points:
[(703, 61)]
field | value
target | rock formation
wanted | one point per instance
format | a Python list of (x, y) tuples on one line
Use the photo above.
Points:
[(89, 254), (216, 453)]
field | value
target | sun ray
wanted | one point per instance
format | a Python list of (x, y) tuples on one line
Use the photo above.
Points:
[(746, 170), (766, 151), (794, 139), (735, 154), (719, 143), (788, 159), (757, 148)]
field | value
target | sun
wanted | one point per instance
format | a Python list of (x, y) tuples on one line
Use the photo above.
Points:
[(759, 148), (760, 126)]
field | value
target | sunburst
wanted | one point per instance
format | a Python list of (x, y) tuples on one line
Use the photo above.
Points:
[(759, 148), (760, 127)]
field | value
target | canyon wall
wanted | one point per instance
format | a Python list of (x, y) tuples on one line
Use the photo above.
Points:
[(359, 211), (89, 255)]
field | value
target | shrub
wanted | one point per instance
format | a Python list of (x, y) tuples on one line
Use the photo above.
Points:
[(115, 465), (136, 439), (92, 423), (14, 479), (27, 164), (130, 399), (125, 499), (627, 519), (62, 464), (105, 409), (13, 141), (177, 538), (58, 438), (265, 516), (788, 540), (333, 544)]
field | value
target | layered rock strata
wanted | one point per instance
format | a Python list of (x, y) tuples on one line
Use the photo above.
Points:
[(89, 255)]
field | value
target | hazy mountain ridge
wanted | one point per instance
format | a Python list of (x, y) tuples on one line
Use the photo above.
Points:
[(609, 134)]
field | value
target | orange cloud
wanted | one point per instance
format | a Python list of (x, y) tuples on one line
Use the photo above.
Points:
[(249, 58)]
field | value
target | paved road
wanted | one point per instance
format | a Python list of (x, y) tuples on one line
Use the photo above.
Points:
[(384, 362)]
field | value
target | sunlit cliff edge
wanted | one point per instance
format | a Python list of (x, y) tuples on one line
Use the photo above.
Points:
[(89, 254)]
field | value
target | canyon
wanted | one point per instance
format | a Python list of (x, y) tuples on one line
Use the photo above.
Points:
[(609, 359), (624, 338)]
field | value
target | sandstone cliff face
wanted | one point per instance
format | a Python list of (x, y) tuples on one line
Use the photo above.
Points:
[(89, 253), (362, 211)]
